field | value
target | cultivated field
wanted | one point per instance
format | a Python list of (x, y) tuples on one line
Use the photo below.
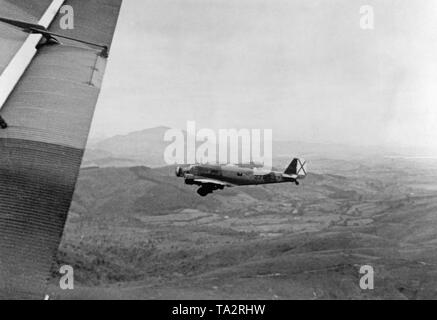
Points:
[(141, 233)]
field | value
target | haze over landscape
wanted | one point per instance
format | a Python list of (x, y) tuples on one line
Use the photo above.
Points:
[(137, 231)]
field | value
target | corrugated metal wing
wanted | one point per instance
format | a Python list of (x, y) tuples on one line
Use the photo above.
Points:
[(49, 115)]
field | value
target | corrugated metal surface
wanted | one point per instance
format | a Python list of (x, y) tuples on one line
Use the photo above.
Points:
[(26, 10), (49, 115), (16, 61), (36, 185), (54, 101), (11, 39)]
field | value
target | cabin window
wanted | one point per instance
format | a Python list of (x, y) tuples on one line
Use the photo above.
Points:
[(239, 174)]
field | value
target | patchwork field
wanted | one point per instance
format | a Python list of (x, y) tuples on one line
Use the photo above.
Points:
[(140, 233)]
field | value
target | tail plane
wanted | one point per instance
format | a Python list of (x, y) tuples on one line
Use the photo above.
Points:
[(297, 167)]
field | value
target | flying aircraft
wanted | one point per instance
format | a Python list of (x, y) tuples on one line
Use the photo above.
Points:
[(50, 79), (217, 177)]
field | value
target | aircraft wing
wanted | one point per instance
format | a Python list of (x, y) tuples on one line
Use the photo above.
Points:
[(213, 181), (290, 176), (49, 95)]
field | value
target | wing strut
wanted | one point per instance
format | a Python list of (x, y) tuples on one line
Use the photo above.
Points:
[(51, 36)]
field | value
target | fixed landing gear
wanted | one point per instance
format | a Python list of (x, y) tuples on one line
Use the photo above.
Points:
[(203, 192), (296, 182)]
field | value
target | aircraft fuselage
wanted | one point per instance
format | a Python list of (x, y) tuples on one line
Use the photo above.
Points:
[(235, 175)]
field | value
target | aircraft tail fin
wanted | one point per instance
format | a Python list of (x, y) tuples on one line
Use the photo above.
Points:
[(297, 167)]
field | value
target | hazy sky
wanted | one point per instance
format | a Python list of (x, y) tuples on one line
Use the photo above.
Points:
[(303, 68)]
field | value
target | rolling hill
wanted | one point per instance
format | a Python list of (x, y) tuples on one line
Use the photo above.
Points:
[(139, 232)]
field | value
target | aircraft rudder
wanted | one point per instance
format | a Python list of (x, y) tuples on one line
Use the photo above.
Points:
[(297, 167)]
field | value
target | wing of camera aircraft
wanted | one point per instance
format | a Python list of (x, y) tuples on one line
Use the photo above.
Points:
[(50, 79)]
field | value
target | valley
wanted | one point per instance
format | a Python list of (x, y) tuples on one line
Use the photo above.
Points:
[(140, 233)]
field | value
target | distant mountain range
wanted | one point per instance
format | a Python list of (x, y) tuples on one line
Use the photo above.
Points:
[(144, 147), (147, 148)]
